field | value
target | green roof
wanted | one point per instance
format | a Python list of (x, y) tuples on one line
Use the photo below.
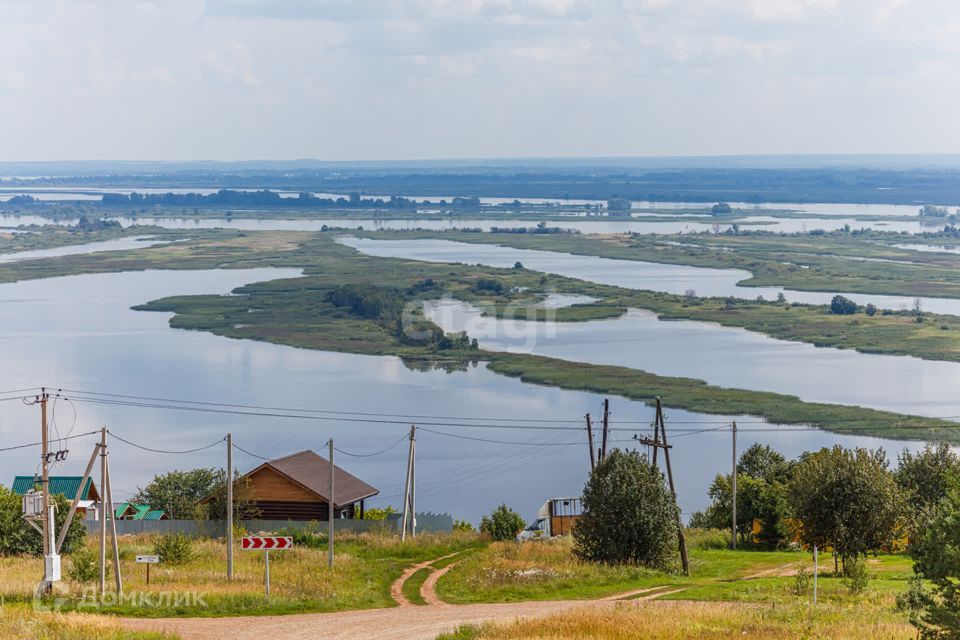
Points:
[(140, 512), (64, 485), (156, 514)]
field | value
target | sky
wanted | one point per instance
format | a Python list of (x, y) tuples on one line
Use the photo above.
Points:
[(422, 79)]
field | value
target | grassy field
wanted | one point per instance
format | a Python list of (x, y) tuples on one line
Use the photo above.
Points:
[(365, 566), (700, 621), (19, 622), (727, 593)]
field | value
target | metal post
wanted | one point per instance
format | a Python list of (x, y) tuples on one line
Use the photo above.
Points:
[(413, 484), (816, 571), (733, 528), (103, 511), (266, 582), (330, 510), (229, 507)]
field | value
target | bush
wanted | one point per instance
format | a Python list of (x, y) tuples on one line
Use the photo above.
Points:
[(462, 526), (870, 309), (857, 578), (83, 567), (503, 524), (629, 515), (842, 306), (802, 580), (378, 514), (18, 537), (707, 538), (174, 549)]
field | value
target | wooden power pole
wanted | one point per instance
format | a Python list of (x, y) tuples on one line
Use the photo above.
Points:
[(229, 507), (330, 510), (660, 442), (410, 489), (606, 428), (733, 524), (103, 511), (593, 460)]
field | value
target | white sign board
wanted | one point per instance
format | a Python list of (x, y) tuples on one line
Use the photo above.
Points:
[(148, 559)]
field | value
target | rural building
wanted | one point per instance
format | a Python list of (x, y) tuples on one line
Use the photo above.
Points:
[(89, 505), (130, 511), (297, 488)]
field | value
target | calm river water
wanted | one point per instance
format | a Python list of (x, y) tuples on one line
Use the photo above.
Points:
[(79, 332)]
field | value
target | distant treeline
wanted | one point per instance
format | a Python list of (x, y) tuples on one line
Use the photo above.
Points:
[(912, 186), (266, 197)]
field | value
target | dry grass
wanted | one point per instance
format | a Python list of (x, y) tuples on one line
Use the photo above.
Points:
[(699, 621), (365, 566), (17, 623)]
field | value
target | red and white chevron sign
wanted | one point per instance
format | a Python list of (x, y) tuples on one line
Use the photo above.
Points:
[(266, 543)]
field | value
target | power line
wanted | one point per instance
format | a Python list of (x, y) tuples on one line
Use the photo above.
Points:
[(37, 444), (370, 455), (138, 446)]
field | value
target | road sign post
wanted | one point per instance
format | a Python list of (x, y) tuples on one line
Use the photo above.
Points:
[(148, 560), (266, 544)]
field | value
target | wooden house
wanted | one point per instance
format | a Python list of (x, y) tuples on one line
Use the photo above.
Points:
[(296, 487)]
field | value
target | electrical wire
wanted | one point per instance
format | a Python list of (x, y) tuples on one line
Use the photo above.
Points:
[(133, 444), (377, 453), (38, 444)]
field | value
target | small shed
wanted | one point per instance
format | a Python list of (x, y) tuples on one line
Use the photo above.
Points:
[(296, 487)]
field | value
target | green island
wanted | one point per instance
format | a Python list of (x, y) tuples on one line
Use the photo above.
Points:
[(301, 312)]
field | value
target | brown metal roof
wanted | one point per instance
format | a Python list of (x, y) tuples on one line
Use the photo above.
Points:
[(313, 472)]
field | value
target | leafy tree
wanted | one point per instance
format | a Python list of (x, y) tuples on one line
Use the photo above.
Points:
[(762, 462), (870, 309), (378, 514), (762, 474), (936, 555), (178, 492), (629, 515), (924, 477), (842, 306), (503, 524), (845, 498), (18, 537)]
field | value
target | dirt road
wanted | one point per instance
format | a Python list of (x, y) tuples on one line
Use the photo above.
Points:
[(404, 622)]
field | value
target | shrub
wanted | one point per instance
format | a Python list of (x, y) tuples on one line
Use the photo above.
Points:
[(462, 526), (629, 515), (174, 549), (802, 579), (842, 306), (870, 309), (83, 567), (707, 538), (503, 524), (857, 578), (378, 514)]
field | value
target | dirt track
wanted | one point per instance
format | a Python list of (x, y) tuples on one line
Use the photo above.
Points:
[(404, 622)]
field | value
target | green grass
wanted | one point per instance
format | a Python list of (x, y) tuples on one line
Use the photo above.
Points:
[(21, 621), (411, 588)]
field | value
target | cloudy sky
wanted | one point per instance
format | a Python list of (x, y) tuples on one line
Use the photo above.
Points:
[(396, 79)]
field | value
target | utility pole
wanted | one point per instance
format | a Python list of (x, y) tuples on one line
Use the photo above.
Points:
[(118, 580), (45, 473), (330, 510), (103, 512), (229, 507), (413, 484), (733, 529), (662, 432), (593, 460), (408, 488), (606, 428)]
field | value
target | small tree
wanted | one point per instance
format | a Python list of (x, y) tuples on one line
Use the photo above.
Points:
[(629, 515), (846, 498), (936, 555), (178, 492), (503, 524), (18, 537), (842, 306), (924, 478)]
